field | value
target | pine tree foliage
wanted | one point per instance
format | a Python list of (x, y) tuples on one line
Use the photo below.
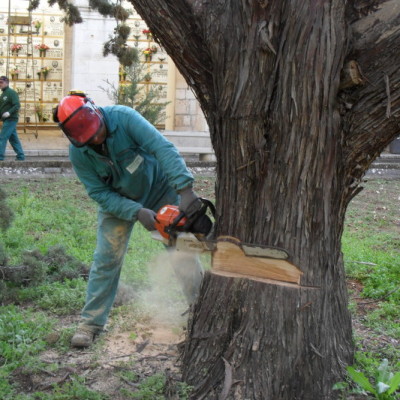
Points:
[(107, 9), (131, 94), (72, 14), (117, 45)]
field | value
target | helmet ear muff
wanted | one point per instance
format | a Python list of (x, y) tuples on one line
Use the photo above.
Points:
[(89, 100), (55, 116)]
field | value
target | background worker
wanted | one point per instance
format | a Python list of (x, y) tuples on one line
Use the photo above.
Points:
[(9, 106), (131, 171)]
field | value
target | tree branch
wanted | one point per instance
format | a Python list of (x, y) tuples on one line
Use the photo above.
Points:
[(182, 37), (371, 112)]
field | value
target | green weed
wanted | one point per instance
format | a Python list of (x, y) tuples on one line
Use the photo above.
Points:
[(156, 387), (378, 381), (22, 334), (385, 319), (370, 245), (74, 390), (46, 215), (128, 375), (61, 298), (184, 390), (151, 388), (383, 387), (22, 338)]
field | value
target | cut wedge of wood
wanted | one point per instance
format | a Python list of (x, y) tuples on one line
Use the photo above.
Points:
[(229, 257)]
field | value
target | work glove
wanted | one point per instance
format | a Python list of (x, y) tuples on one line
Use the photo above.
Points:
[(147, 218), (190, 202), (5, 115)]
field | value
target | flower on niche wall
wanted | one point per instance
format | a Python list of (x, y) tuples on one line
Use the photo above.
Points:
[(148, 33), (37, 24), (42, 46), (16, 47)]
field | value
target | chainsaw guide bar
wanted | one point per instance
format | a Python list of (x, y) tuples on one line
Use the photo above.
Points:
[(186, 241), (254, 250)]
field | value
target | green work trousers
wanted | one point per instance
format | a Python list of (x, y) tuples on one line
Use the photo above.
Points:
[(9, 133), (112, 242)]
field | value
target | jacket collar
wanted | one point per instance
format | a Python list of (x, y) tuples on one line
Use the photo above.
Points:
[(110, 123)]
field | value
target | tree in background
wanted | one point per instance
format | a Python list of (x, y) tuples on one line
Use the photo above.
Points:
[(300, 98), (131, 93)]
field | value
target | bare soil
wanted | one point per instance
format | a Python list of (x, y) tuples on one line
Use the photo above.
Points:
[(148, 349)]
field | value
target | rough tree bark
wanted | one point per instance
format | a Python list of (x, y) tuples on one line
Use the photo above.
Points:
[(292, 146)]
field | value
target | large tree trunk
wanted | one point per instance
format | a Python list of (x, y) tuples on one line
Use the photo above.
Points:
[(291, 153)]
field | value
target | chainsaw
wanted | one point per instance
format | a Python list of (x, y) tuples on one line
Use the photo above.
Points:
[(185, 232), (195, 233)]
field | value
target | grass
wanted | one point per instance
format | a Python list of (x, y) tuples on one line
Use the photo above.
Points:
[(371, 247), (54, 211), (48, 212), (61, 298), (21, 334), (58, 211), (76, 389)]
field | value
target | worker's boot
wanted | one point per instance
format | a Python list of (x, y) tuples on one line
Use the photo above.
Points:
[(83, 337)]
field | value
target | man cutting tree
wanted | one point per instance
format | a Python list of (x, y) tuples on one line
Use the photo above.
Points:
[(131, 171)]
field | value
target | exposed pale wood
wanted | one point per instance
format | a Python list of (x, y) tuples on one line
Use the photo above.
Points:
[(256, 250), (263, 280), (351, 75), (230, 257)]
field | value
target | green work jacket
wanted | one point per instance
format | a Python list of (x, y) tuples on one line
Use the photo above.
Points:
[(141, 169), (9, 101)]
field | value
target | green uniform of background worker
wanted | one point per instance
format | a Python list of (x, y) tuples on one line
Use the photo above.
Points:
[(131, 171), (9, 107)]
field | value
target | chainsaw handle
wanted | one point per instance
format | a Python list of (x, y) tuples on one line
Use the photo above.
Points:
[(175, 222), (209, 204), (205, 204)]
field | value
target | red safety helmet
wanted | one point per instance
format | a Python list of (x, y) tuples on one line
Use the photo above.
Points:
[(79, 118)]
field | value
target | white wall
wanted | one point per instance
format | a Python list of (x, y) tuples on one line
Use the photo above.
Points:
[(89, 69), (188, 113)]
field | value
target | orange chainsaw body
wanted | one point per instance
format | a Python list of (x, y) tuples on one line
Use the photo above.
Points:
[(166, 216)]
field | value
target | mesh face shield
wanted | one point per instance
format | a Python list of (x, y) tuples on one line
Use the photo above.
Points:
[(82, 125)]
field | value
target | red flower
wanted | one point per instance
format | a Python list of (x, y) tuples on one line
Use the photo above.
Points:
[(16, 47), (42, 46)]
